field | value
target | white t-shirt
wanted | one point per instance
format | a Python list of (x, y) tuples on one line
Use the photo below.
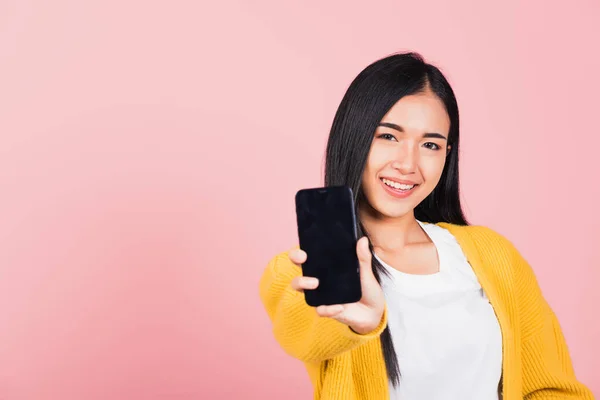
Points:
[(445, 332)]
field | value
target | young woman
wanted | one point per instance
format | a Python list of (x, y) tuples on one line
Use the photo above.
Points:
[(449, 311)]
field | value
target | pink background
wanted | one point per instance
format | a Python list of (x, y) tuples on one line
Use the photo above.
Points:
[(150, 152)]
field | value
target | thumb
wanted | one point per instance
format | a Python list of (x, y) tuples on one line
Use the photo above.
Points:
[(364, 259)]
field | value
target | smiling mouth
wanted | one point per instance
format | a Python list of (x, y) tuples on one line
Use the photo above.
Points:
[(402, 187)]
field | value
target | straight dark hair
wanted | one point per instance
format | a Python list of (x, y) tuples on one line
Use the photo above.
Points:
[(369, 97)]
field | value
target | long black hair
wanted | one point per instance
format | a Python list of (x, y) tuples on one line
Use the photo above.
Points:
[(369, 97)]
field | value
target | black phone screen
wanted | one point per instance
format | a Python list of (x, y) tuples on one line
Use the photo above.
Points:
[(327, 233)]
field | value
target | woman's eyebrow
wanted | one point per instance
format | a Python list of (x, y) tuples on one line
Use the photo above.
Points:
[(400, 129)]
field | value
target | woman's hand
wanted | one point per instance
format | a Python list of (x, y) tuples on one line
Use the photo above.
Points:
[(363, 316)]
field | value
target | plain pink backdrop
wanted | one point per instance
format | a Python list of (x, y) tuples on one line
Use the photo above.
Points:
[(150, 153)]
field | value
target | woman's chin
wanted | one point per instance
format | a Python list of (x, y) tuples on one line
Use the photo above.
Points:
[(393, 211)]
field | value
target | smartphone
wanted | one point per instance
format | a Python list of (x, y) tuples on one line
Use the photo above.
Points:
[(327, 233)]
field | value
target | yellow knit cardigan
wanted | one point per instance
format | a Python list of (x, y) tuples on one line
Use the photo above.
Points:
[(344, 365)]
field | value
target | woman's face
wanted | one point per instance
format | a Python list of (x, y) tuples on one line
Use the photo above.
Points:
[(407, 155)]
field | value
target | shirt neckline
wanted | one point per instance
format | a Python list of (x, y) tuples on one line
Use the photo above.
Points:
[(440, 254)]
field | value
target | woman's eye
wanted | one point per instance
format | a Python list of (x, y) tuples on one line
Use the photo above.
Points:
[(387, 136), (432, 146)]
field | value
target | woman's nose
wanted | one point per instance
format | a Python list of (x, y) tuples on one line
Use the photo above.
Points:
[(406, 159)]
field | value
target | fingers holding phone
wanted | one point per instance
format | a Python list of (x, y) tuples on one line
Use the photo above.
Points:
[(301, 283), (337, 277), (362, 316), (298, 256)]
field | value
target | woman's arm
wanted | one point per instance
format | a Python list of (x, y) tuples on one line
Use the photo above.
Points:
[(297, 327), (547, 369)]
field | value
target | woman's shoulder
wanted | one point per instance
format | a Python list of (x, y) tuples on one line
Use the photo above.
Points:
[(480, 235), (493, 248)]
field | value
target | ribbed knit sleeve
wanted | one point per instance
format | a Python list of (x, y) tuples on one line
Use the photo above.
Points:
[(546, 364), (298, 329)]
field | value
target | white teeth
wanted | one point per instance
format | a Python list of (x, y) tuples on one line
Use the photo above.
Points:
[(397, 185)]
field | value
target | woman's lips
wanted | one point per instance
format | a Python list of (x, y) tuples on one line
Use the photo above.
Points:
[(398, 192)]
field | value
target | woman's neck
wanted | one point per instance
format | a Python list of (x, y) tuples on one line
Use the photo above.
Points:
[(391, 234)]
